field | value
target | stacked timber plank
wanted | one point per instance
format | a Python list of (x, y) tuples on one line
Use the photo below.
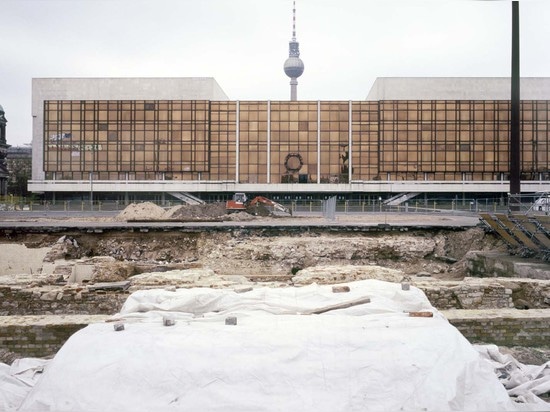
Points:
[(527, 235)]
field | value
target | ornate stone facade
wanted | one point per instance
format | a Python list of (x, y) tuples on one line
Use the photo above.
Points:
[(4, 173)]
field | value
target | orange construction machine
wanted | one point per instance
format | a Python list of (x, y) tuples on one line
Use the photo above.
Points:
[(256, 206)]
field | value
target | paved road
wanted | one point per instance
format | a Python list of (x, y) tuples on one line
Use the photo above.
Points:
[(105, 220)]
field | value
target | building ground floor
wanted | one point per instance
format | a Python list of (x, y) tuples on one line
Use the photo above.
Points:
[(355, 197)]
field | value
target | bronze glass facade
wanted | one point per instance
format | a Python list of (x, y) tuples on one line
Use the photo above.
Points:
[(286, 142)]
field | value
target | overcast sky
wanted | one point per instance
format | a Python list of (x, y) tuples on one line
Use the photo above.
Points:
[(345, 44)]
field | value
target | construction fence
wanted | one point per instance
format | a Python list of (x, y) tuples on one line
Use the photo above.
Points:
[(319, 206)]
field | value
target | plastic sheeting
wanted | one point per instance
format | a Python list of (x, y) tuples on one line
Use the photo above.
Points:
[(371, 357), (17, 380), (522, 381)]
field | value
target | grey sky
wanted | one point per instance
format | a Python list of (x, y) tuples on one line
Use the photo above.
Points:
[(345, 44)]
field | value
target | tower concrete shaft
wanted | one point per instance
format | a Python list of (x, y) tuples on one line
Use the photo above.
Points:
[(293, 89)]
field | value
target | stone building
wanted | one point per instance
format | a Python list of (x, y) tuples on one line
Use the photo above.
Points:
[(4, 173), (19, 164)]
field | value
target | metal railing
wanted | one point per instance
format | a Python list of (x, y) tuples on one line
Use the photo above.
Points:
[(535, 203), (350, 206), (472, 206)]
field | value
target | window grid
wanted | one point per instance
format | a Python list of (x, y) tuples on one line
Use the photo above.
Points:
[(188, 140)]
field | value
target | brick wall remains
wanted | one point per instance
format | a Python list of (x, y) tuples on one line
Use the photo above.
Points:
[(17, 300), (505, 327), (472, 296), (40, 336)]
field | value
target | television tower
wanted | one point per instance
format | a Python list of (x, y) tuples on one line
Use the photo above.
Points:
[(294, 66)]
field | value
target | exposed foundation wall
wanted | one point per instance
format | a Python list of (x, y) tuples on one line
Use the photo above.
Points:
[(496, 264), (40, 336), (488, 293), (472, 293), (68, 300), (521, 328), (469, 296), (36, 341)]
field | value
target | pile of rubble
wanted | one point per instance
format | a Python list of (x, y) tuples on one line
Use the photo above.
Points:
[(187, 212), (141, 211), (148, 211)]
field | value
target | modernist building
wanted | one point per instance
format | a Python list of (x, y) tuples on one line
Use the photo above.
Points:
[(131, 137)]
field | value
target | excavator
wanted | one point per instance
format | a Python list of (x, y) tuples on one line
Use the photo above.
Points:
[(256, 206)]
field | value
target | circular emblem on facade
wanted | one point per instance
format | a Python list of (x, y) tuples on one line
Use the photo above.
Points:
[(293, 162)]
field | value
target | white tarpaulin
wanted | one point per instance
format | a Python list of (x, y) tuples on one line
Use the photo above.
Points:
[(522, 381), (17, 380), (369, 357)]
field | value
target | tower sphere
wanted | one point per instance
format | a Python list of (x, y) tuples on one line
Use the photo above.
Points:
[(294, 67)]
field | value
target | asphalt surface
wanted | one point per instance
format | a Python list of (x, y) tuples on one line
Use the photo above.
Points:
[(106, 220)]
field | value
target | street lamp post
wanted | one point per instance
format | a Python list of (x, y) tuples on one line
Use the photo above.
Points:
[(515, 138)]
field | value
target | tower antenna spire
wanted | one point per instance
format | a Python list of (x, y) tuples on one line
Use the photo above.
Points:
[(294, 20), (294, 67)]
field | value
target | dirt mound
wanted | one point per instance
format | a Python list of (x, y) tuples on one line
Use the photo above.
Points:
[(183, 213), (186, 212), (210, 211), (141, 211)]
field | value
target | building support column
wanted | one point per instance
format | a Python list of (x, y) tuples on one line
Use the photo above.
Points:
[(237, 142), (269, 141), (350, 142), (318, 141)]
